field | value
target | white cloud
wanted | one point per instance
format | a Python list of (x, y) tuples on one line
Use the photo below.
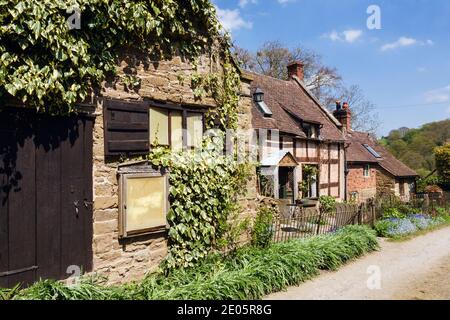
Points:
[(405, 42), (243, 3), (438, 95), (401, 42), (349, 36), (352, 35), (231, 19), (283, 2)]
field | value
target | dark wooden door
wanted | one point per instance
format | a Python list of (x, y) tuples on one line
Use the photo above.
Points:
[(45, 196)]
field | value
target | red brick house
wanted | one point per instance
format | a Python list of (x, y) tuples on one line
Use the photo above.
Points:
[(296, 135), (371, 170)]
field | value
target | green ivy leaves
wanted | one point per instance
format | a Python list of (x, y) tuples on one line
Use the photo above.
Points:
[(47, 65), (204, 186)]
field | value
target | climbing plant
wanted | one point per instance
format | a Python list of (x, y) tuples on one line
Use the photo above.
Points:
[(48, 64), (204, 186)]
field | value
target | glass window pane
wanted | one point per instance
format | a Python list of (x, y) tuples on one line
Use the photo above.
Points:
[(159, 126), (145, 203), (176, 118), (194, 129)]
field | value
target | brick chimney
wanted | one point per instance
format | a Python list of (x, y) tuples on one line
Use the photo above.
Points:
[(296, 69), (344, 115)]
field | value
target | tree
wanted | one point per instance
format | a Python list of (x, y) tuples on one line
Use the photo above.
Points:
[(364, 115), (323, 81), (442, 155), (272, 60)]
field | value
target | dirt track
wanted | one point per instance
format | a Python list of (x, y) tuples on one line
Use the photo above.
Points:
[(416, 269)]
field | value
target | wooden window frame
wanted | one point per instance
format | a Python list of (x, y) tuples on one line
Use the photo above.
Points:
[(136, 173), (368, 171), (184, 113)]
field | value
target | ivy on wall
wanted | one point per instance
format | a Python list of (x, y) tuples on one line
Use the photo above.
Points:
[(49, 65), (204, 186)]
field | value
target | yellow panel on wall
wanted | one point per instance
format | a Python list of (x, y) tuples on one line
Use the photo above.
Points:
[(146, 203)]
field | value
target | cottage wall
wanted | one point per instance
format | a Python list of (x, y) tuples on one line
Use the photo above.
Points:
[(361, 187), (131, 259)]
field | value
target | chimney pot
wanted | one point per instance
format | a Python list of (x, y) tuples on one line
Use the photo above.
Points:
[(344, 115), (296, 68)]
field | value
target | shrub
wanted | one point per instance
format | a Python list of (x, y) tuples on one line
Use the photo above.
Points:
[(399, 227), (249, 274), (327, 203), (393, 213), (262, 232)]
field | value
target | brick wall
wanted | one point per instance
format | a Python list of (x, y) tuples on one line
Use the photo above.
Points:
[(366, 187), (131, 259)]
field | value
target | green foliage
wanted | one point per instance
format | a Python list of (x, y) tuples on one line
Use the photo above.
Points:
[(309, 173), (382, 227), (204, 185), (327, 203), (442, 155), (47, 65), (393, 213), (414, 147), (262, 232), (250, 274)]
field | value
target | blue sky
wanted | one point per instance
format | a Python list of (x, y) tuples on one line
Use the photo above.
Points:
[(403, 68)]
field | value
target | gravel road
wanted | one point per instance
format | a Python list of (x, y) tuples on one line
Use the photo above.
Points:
[(411, 270)]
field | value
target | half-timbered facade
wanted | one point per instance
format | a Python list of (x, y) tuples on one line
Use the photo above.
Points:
[(292, 124)]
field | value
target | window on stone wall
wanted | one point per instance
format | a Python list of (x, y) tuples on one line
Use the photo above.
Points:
[(143, 203), (167, 126), (366, 172), (194, 124)]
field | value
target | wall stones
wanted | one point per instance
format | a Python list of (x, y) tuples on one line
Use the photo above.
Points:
[(130, 259)]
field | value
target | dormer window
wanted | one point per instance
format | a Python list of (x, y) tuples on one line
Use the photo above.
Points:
[(311, 130), (258, 97)]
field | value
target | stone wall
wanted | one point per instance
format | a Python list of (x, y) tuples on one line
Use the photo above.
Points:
[(385, 183), (364, 187), (131, 259)]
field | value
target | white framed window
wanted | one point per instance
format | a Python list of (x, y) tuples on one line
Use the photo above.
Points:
[(366, 171), (143, 202)]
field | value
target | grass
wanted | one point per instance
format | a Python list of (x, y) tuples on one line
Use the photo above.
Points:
[(249, 274)]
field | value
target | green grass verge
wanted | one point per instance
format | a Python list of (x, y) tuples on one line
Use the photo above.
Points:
[(250, 273)]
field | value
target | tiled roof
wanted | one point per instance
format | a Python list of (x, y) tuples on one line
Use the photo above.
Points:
[(356, 152), (288, 100)]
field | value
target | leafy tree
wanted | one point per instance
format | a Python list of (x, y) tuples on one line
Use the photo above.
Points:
[(442, 155), (325, 82), (415, 147)]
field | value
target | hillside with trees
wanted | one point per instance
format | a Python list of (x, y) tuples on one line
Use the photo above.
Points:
[(417, 147)]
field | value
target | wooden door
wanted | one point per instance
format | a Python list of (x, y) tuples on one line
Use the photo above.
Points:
[(45, 196)]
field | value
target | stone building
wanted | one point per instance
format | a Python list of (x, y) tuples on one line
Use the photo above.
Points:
[(71, 202), (372, 171)]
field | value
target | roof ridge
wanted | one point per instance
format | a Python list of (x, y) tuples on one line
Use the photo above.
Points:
[(314, 98)]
